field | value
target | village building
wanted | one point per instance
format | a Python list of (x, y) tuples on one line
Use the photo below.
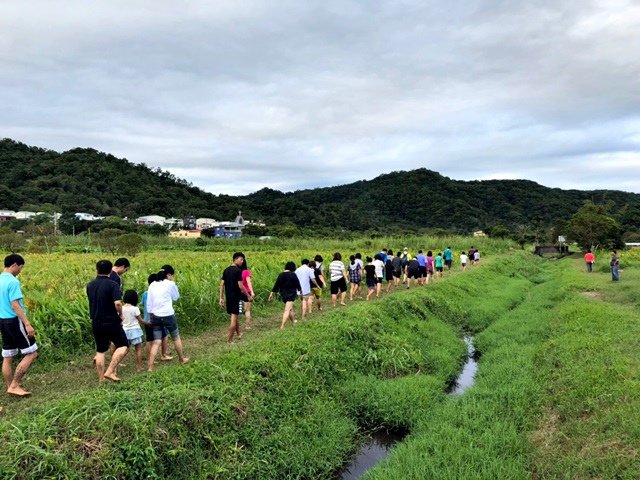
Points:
[(203, 223), (151, 220), (7, 215)]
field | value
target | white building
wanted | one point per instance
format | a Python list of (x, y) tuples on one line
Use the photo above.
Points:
[(6, 215), (202, 223), (26, 215), (87, 217), (174, 222), (151, 220)]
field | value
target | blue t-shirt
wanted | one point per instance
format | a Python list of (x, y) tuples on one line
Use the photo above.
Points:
[(144, 307), (422, 260), (448, 254), (9, 291)]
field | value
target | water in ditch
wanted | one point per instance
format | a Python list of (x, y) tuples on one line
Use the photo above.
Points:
[(381, 441)]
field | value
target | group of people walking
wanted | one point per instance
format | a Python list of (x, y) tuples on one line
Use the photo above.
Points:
[(118, 322), (308, 281)]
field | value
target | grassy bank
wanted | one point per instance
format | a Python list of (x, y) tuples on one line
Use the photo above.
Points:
[(288, 406)]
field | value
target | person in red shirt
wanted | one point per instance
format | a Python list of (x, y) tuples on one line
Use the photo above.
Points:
[(590, 259)]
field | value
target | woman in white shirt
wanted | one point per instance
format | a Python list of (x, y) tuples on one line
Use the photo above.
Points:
[(162, 293)]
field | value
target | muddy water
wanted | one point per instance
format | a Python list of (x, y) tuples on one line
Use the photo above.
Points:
[(382, 441), (371, 452)]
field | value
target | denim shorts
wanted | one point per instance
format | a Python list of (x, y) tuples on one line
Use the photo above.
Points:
[(169, 323), (134, 335)]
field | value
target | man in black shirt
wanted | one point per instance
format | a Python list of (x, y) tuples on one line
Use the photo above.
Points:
[(119, 268), (412, 271), (233, 289), (105, 309)]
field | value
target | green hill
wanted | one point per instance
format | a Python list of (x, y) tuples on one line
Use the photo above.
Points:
[(99, 183)]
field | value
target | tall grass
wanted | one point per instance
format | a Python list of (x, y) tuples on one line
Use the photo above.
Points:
[(288, 406)]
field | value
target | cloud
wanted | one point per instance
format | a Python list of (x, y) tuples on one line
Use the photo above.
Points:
[(235, 96)]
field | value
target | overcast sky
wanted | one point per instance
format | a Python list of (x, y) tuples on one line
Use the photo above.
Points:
[(238, 95)]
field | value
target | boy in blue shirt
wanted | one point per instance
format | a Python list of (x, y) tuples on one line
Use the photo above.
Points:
[(18, 336)]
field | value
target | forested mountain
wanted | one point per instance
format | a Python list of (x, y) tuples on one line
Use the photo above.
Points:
[(99, 183)]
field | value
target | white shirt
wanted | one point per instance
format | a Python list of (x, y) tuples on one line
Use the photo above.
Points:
[(161, 297), (130, 316), (305, 275), (463, 258), (379, 268)]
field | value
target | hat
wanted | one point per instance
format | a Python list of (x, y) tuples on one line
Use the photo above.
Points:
[(406, 249)]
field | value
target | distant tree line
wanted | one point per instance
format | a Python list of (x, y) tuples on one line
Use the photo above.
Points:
[(418, 201)]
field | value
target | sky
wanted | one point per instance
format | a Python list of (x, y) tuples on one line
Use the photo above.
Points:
[(235, 96)]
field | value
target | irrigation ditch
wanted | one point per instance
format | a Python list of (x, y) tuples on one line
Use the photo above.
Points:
[(380, 442)]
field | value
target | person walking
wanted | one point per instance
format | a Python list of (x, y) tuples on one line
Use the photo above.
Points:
[(448, 257), (148, 329), (162, 293), (131, 322), (105, 310), (422, 261), (430, 266), (288, 285), (338, 277), (463, 260), (306, 277), (120, 267), (317, 291), (379, 264), (232, 288), (439, 264), (355, 276), (396, 262), (18, 336), (589, 259), (614, 263), (246, 300)]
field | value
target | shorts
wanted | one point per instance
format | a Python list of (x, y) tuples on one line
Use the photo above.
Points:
[(379, 279), (15, 339), (423, 272), (389, 276), (134, 335), (448, 263), (317, 292), (430, 271), (463, 265), (160, 323), (439, 269), (371, 283), (148, 332), (288, 298), (396, 273), (107, 333), (234, 306), (244, 297), (338, 286), (413, 274), (355, 277)]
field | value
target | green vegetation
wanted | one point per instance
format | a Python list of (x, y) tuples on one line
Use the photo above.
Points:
[(555, 396), (415, 201)]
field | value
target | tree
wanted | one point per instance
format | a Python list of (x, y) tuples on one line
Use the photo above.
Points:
[(591, 226), (107, 239), (499, 231), (129, 244), (12, 242)]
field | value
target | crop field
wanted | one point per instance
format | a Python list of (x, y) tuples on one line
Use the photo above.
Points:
[(556, 394), (54, 284)]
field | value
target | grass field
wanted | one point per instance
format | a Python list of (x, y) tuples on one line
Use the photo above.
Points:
[(555, 397)]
